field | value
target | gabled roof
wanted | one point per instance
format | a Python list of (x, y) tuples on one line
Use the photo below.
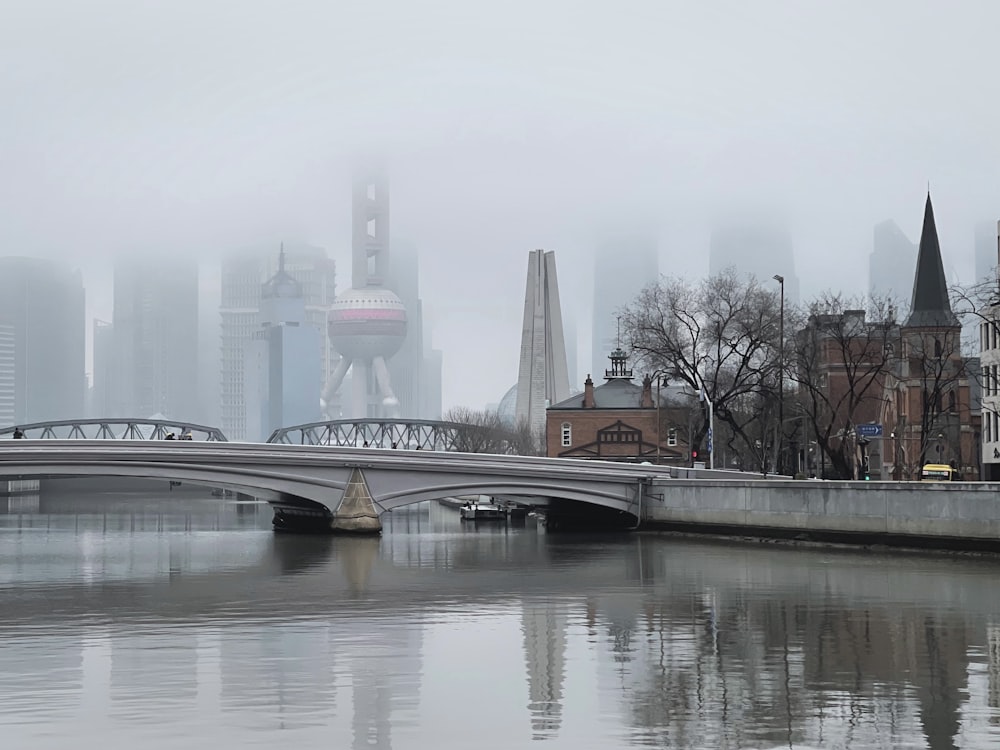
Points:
[(617, 393), (930, 306)]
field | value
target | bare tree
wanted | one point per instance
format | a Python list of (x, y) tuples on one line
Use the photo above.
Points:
[(484, 431), (720, 335)]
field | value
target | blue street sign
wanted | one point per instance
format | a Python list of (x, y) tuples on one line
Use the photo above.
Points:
[(709, 439), (868, 430)]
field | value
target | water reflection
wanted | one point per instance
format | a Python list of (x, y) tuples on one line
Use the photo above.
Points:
[(202, 627)]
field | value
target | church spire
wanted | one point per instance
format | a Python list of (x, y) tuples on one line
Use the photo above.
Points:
[(930, 306)]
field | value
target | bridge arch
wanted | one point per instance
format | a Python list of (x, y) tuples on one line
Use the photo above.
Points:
[(117, 428), (530, 493)]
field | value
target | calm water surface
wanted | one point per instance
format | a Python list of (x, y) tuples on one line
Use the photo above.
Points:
[(181, 621)]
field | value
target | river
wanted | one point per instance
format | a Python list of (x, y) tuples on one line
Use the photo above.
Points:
[(181, 620)]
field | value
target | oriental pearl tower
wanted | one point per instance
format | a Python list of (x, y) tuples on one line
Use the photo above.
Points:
[(367, 323)]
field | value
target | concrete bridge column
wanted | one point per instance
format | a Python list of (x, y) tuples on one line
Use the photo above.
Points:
[(356, 512)]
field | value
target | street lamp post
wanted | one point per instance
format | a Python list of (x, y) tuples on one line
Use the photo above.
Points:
[(659, 424), (781, 374), (659, 375), (703, 396)]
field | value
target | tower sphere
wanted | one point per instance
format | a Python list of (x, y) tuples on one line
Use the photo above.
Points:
[(367, 323)]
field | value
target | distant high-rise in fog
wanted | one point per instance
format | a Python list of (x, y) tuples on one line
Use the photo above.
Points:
[(102, 386), (279, 391), (761, 249), (623, 268), (986, 249), (43, 303), (242, 276), (7, 373), (890, 265), (154, 368), (414, 379)]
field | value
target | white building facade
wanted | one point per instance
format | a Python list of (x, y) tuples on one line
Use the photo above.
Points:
[(989, 362)]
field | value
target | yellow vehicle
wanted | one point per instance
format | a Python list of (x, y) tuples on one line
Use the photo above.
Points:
[(938, 473)]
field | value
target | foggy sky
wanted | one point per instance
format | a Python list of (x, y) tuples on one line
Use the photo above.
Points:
[(200, 127)]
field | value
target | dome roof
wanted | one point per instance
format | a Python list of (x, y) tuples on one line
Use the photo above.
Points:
[(507, 409)]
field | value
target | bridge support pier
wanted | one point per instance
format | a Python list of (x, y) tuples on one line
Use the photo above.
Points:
[(356, 513)]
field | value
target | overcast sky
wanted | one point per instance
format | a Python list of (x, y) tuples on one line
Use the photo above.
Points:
[(201, 126)]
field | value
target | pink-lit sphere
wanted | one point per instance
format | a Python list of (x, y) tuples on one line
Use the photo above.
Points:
[(367, 323)]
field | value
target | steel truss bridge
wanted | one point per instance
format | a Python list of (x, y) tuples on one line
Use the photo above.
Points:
[(412, 434), (114, 429)]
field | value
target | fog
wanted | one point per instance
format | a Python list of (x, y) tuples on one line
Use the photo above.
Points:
[(200, 127)]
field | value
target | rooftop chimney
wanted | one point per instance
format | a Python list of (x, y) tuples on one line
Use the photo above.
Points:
[(588, 393)]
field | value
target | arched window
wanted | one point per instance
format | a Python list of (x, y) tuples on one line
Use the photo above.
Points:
[(672, 437), (567, 434), (937, 347)]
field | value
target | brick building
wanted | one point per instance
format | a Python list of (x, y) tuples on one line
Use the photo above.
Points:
[(910, 377), (933, 401), (618, 421)]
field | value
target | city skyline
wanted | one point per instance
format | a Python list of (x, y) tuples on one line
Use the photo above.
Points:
[(883, 235), (503, 152)]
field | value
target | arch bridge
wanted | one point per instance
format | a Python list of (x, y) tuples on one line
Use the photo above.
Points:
[(334, 488), (412, 434), (119, 428)]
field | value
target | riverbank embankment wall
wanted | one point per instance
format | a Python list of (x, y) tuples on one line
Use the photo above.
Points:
[(941, 514)]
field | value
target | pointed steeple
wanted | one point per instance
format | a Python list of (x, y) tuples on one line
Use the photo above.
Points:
[(282, 284), (930, 306)]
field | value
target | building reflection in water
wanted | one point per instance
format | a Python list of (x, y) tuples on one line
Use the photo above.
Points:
[(682, 644), (736, 649), (543, 624)]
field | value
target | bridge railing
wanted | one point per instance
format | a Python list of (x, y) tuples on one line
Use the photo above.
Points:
[(412, 434), (114, 429)]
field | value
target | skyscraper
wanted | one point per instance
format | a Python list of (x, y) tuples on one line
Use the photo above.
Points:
[(411, 369), (242, 276), (890, 264), (987, 250), (7, 374), (759, 248), (622, 269), (542, 376), (102, 394), (155, 334), (280, 391), (43, 304)]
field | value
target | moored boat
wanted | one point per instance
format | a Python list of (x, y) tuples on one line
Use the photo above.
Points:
[(482, 512)]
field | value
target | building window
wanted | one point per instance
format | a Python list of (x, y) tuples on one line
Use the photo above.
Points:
[(672, 437), (567, 434)]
